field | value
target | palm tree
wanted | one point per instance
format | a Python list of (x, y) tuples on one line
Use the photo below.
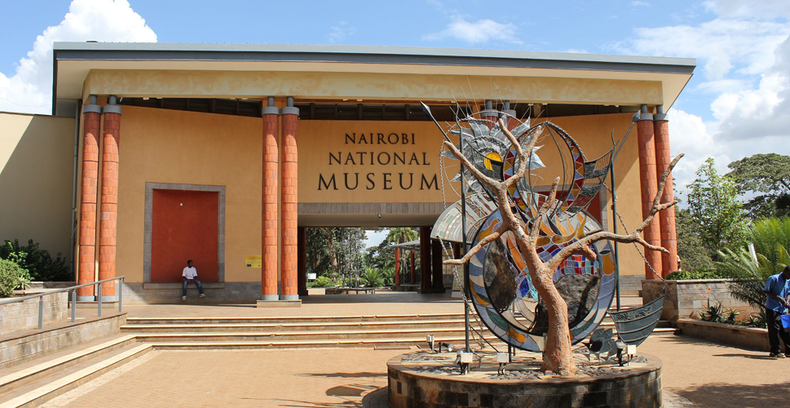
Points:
[(771, 240), (399, 235)]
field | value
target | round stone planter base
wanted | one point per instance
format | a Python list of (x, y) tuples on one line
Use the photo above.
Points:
[(428, 379)]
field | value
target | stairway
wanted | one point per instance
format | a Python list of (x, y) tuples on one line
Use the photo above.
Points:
[(295, 332), (34, 382)]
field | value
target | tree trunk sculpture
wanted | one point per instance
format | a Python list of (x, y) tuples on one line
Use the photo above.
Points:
[(557, 356)]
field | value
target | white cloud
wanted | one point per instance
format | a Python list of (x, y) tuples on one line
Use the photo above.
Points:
[(340, 32), (745, 55), (723, 45), (690, 135), (640, 4), (476, 32), (30, 88), (750, 9)]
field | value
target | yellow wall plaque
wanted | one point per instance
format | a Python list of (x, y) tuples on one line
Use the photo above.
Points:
[(253, 261)]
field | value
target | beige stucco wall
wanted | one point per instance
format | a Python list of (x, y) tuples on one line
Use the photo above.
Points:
[(36, 175), (166, 146), (358, 85), (371, 154)]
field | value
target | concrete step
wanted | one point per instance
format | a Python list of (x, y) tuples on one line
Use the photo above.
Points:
[(288, 327), (33, 393), (457, 340), (290, 319), (31, 371), (420, 333)]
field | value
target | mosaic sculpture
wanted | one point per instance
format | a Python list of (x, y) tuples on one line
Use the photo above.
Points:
[(541, 269)]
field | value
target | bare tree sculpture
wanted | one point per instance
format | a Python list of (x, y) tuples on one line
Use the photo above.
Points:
[(557, 355)]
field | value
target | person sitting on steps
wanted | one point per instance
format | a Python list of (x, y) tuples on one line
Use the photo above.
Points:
[(190, 275)]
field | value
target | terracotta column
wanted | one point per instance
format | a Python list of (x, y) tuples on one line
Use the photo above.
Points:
[(301, 261), (91, 113), (289, 203), (109, 196), (666, 218), (647, 174), (425, 258), (270, 239), (438, 271), (397, 266)]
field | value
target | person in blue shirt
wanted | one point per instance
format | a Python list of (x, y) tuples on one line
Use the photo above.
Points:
[(777, 288)]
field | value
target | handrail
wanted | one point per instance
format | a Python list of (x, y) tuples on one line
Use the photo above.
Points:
[(40, 296)]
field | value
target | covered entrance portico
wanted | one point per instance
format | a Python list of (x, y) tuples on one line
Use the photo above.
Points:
[(286, 137)]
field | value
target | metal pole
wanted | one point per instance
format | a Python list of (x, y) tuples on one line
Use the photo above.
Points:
[(73, 305), (467, 291), (99, 299), (119, 291), (614, 229), (41, 311)]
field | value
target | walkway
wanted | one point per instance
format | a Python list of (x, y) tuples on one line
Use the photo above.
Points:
[(706, 374)]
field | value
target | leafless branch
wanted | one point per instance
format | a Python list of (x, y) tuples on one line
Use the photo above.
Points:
[(633, 237), (483, 242), (475, 172)]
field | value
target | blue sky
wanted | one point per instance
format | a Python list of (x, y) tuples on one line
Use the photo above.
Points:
[(736, 104)]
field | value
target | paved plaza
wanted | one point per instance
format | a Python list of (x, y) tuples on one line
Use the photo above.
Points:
[(695, 372)]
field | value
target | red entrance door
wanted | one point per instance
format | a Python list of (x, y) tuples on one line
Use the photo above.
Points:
[(185, 225)]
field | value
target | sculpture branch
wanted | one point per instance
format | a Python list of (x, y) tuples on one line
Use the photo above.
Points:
[(483, 242), (475, 172), (633, 237), (549, 203)]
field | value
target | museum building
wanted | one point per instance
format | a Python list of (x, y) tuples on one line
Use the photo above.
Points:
[(223, 154)]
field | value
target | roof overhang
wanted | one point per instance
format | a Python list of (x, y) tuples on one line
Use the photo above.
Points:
[(74, 62)]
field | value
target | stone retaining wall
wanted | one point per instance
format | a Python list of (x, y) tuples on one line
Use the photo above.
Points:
[(15, 350), (170, 292), (738, 336), (686, 298), (24, 315)]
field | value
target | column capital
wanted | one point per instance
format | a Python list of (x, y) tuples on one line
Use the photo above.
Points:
[(91, 106), (644, 114), (111, 107), (660, 115), (290, 109), (270, 109)]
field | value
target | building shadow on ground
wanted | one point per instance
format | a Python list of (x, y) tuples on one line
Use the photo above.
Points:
[(363, 374), (722, 395)]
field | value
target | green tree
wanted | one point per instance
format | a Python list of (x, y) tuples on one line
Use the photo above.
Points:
[(37, 262), (717, 216), (765, 177), (337, 253), (771, 240), (692, 253)]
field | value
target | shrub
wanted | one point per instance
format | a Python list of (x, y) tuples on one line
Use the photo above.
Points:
[(373, 278), (696, 274), (11, 277), (322, 282), (38, 262), (714, 313), (757, 320)]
